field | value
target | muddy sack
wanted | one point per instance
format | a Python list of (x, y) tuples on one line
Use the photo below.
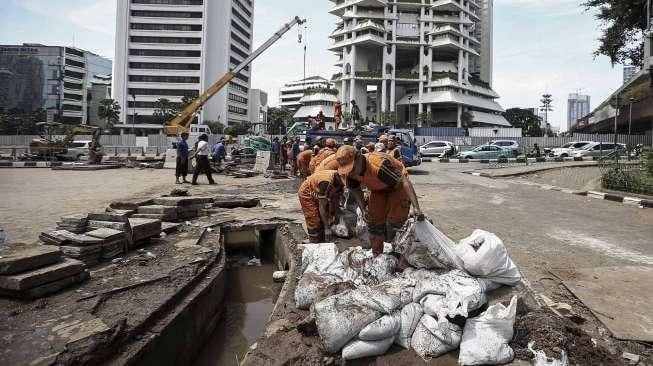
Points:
[(433, 338), (409, 319), (316, 258), (384, 327), (309, 285), (486, 337), (359, 348), (434, 305), (426, 247), (462, 292), (484, 255), (341, 229)]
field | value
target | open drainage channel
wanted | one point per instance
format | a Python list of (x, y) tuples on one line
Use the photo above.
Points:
[(253, 254)]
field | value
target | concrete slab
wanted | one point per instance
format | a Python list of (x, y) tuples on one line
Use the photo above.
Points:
[(96, 224), (191, 245), (619, 296), (113, 216), (48, 288), (182, 201), (18, 258), (144, 228), (75, 330), (157, 210), (106, 234), (170, 227), (27, 280)]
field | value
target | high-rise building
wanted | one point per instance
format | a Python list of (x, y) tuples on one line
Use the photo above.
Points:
[(258, 110), (423, 59), (57, 79), (629, 72), (578, 106), (168, 49), (291, 94)]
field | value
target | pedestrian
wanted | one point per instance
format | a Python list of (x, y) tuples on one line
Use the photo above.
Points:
[(328, 150), (536, 153), (358, 142), (219, 152), (391, 192), (384, 140), (321, 121), (303, 163), (319, 197), (294, 153), (276, 148), (319, 145), (355, 113), (312, 123), (369, 148), (337, 114), (181, 171), (284, 154), (202, 158), (393, 149), (347, 141)]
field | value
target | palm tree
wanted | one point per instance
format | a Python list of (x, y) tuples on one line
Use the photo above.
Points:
[(110, 110)]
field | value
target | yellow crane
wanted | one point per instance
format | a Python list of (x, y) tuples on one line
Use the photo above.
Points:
[(182, 122)]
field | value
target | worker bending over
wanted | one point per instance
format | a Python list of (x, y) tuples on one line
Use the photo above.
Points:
[(328, 150), (394, 148), (319, 196), (330, 163), (391, 192)]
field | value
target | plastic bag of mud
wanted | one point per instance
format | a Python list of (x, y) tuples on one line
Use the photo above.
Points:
[(341, 229), (410, 316), (384, 327), (424, 246), (462, 292), (485, 338), (309, 285), (359, 348), (484, 255), (316, 258), (434, 337)]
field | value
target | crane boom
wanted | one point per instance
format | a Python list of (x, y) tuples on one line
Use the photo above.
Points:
[(182, 121)]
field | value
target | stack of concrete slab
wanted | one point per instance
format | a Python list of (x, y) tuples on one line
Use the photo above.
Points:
[(158, 212), (113, 242), (173, 208), (82, 247), (73, 223), (34, 271), (144, 229)]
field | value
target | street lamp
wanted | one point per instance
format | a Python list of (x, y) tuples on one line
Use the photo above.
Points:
[(630, 117), (134, 114), (410, 98)]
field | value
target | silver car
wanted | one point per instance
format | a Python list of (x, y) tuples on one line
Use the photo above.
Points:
[(507, 145), (437, 148), (597, 149), (76, 150)]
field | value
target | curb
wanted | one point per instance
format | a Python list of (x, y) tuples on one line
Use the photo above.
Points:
[(510, 160), (29, 164)]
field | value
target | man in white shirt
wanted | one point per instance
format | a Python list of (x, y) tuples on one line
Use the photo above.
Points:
[(202, 158)]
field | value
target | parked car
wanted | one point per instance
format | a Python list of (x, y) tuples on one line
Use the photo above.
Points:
[(76, 150), (486, 152), (597, 149), (437, 149), (565, 150), (507, 144)]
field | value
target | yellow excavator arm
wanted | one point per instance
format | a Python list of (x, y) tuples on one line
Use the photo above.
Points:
[(181, 123)]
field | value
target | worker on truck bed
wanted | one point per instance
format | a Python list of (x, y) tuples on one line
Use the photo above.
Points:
[(391, 192), (319, 196), (393, 149), (328, 150)]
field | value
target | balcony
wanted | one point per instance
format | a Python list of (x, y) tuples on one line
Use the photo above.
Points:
[(372, 74), (407, 74)]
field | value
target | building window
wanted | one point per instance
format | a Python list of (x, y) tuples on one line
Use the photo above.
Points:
[(167, 27), (238, 52), (242, 77), (165, 92), (72, 96), (166, 14), (162, 66), (70, 107), (237, 98), (238, 88), (74, 75), (73, 86), (169, 2), (164, 79), (241, 18), (238, 110), (241, 29), (175, 40), (72, 51), (164, 53), (239, 40), (70, 62)]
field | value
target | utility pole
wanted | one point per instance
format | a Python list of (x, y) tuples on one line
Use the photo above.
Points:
[(616, 118), (630, 117)]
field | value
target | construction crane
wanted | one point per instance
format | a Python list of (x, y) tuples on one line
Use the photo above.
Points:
[(182, 122)]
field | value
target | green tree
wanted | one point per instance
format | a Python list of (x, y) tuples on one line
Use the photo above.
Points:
[(238, 129), (165, 110), (467, 119), (215, 126), (110, 111), (524, 119), (279, 119), (18, 122), (623, 24)]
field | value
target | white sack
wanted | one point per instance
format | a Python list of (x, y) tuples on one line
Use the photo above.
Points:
[(359, 348), (433, 338), (341, 229), (410, 316), (384, 327), (463, 293), (341, 317), (309, 285), (316, 258), (541, 359), (485, 338), (424, 246), (435, 305), (484, 255)]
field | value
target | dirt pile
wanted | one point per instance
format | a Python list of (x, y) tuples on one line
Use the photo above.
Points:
[(553, 334)]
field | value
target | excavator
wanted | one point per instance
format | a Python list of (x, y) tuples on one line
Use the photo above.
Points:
[(47, 147), (182, 122)]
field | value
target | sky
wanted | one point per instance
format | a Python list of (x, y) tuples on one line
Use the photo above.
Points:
[(539, 45)]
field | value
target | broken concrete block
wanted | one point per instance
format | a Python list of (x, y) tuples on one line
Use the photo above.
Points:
[(170, 227), (182, 201), (106, 234), (131, 205), (76, 219), (236, 202), (30, 279), (112, 250), (18, 258), (94, 224), (57, 237), (157, 210), (631, 358), (48, 288), (145, 228), (113, 216), (163, 217), (76, 330)]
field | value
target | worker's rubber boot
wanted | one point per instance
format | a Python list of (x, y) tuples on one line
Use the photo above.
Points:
[(377, 244)]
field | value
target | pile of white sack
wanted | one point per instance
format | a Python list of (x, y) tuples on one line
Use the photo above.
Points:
[(414, 309)]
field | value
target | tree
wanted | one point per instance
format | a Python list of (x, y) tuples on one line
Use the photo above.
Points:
[(623, 24), (524, 119), (215, 126), (425, 119), (110, 111), (279, 119), (546, 106), (237, 129), (467, 119), (19, 122), (165, 110)]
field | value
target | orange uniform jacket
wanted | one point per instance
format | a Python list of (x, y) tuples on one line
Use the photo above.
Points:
[(320, 157), (317, 186)]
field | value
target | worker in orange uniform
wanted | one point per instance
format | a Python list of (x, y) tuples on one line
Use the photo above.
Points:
[(330, 163), (303, 162), (328, 150), (393, 148), (391, 191), (319, 196)]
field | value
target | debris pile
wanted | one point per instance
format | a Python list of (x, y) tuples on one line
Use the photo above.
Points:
[(29, 272), (426, 307)]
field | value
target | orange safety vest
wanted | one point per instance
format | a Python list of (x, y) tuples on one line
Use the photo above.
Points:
[(382, 172), (319, 158)]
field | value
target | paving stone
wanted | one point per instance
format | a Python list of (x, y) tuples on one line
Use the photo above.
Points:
[(48, 288), (75, 330), (182, 201), (94, 224), (30, 279), (170, 227), (236, 202), (131, 205), (113, 216), (18, 258), (163, 217), (157, 210), (107, 234), (144, 228), (77, 219)]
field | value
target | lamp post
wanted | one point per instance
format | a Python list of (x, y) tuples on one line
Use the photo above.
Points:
[(134, 114), (410, 98), (616, 118), (630, 116)]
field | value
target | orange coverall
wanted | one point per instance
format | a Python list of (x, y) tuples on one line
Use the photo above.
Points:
[(330, 163), (318, 186), (303, 162), (320, 157)]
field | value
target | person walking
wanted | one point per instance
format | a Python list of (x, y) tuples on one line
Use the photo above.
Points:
[(276, 147), (284, 154), (202, 158), (355, 114), (294, 153), (218, 152), (181, 170), (391, 192), (319, 196)]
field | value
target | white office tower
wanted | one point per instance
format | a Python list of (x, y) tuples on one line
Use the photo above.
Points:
[(422, 57), (291, 93), (174, 48)]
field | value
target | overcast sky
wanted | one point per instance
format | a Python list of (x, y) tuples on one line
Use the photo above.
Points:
[(538, 44)]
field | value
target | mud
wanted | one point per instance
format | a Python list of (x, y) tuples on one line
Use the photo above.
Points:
[(553, 334)]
